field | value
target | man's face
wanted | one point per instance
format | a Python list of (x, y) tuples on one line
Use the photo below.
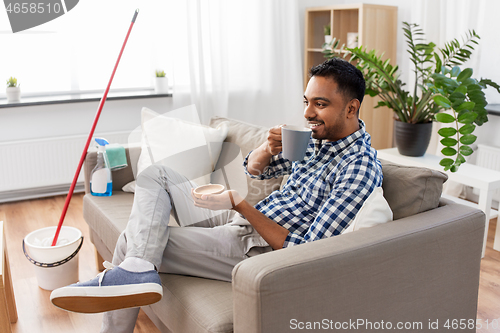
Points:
[(325, 109)]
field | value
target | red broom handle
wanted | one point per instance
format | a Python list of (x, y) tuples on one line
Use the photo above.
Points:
[(89, 139)]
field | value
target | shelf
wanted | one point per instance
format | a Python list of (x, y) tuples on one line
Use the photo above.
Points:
[(376, 26)]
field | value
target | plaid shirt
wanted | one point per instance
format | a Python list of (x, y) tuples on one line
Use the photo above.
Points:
[(325, 190)]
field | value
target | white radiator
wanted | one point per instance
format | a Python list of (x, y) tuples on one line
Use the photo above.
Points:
[(488, 157), (42, 167)]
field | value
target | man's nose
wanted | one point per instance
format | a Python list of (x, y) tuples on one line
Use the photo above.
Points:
[(309, 111)]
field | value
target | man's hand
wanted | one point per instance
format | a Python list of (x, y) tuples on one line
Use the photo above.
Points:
[(225, 200), (260, 158), (274, 145)]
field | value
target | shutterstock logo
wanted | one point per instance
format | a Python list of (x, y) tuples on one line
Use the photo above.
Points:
[(26, 14)]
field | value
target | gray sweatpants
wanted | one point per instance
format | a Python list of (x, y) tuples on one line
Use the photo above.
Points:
[(207, 244)]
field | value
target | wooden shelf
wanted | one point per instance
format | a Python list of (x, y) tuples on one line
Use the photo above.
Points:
[(376, 26)]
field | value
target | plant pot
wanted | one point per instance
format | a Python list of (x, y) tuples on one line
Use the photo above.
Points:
[(161, 85), (412, 139), (13, 94), (328, 39)]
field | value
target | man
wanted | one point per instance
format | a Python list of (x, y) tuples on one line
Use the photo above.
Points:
[(320, 199)]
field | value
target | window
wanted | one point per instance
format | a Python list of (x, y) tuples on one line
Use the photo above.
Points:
[(78, 50)]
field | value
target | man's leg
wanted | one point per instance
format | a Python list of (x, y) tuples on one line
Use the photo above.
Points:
[(204, 252), (159, 192)]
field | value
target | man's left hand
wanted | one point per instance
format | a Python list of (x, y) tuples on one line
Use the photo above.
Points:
[(225, 200)]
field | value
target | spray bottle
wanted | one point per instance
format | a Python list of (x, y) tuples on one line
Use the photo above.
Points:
[(100, 180)]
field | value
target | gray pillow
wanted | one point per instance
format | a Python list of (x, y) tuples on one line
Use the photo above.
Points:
[(248, 137), (411, 190)]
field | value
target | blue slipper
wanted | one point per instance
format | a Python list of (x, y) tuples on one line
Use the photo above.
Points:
[(113, 289)]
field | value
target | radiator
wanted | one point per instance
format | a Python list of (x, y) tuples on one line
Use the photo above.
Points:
[(488, 157), (43, 167)]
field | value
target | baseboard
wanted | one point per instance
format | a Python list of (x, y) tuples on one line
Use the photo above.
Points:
[(39, 192)]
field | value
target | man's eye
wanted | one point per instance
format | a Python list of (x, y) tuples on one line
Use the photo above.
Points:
[(306, 102)]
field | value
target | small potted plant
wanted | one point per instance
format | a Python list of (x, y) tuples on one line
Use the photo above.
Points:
[(13, 90), (161, 82), (328, 33)]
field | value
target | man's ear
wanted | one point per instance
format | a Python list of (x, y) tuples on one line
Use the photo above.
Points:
[(352, 108)]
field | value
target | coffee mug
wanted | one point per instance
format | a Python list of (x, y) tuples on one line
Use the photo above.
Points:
[(295, 141)]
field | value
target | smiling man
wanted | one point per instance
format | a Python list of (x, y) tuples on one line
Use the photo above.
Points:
[(340, 170), (321, 198)]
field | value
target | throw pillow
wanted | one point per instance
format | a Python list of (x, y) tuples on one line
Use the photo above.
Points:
[(411, 190), (189, 148), (375, 210)]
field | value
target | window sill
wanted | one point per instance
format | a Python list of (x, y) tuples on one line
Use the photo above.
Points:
[(82, 97)]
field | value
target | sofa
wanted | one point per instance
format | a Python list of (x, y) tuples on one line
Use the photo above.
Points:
[(413, 273)]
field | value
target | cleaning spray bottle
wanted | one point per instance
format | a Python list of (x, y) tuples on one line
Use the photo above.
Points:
[(100, 180)]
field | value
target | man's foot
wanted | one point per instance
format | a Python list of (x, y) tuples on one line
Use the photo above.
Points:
[(113, 289)]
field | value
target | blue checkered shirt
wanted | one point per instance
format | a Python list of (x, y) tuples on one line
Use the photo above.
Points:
[(325, 190)]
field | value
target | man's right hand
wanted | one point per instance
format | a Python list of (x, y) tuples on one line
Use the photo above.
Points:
[(260, 158), (274, 145)]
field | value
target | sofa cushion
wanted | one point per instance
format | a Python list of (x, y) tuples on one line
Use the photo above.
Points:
[(411, 190), (375, 210), (164, 136), (192, 304), (249, 137), (108, 216)]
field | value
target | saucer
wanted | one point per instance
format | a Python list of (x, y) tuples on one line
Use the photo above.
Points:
[(208, 189)]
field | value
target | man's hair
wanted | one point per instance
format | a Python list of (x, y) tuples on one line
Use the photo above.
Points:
[(349, 79)]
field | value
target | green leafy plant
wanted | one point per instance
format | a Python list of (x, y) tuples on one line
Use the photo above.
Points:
[(160, 73), (442, 91), (327, 30), (12, 82)]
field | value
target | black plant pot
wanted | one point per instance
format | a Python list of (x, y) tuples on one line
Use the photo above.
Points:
[(412, 139)]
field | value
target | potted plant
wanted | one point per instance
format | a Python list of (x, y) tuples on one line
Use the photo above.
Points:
[(328, 33), (13, 90), (442, 92), (161, 82)]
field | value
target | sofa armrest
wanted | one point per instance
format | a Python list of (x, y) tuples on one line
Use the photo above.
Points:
[(420, 268), (120, 177)]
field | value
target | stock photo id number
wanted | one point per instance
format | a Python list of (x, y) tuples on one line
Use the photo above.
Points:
[(24, 14)]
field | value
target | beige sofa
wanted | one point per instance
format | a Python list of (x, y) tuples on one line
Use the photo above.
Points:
[(420, 268)]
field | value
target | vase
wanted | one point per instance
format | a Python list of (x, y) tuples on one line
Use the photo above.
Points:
[(13, 94), (161, 85), (412, 139), (328, 39)]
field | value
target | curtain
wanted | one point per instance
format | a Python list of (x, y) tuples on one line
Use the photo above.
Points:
[(444, 20), (239, 59)]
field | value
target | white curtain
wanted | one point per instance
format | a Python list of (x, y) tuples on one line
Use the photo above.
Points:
[(239, 59), (445, 20)]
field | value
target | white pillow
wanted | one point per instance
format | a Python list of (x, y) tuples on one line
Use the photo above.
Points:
[(164, 137), (375, 210)]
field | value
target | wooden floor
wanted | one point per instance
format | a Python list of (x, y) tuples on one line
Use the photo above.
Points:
[(36, 314)]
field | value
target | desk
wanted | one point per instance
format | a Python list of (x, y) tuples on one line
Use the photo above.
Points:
[(486, 180), (8, 312)]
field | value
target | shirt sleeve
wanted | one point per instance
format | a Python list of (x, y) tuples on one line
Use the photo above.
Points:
[(278, 167), (355, 183)]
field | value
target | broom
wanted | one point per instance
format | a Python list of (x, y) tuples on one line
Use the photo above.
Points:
[(84, 153)]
